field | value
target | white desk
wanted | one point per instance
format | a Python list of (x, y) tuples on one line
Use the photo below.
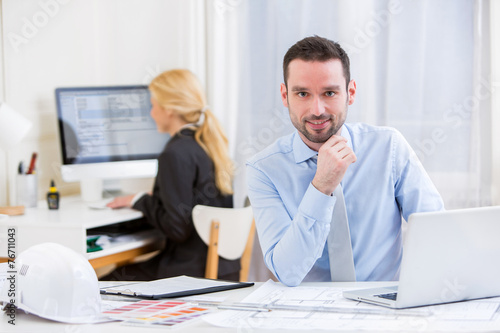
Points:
[(69, 225), (30, 323)]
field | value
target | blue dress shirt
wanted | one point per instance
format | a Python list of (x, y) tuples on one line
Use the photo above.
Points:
[(386, 183)]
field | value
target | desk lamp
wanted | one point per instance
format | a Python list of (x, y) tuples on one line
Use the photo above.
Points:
[(13, 128)]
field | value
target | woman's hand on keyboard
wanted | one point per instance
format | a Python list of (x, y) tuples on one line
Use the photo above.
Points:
[(120, 202)]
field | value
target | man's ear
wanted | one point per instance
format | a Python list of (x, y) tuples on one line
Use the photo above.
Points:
[(284, 95), (351, 90)]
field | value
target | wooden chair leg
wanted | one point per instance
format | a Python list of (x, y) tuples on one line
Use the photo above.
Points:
[(247, 255), (212, 256)]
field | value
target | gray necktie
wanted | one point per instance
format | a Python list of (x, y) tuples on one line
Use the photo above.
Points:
[(339, 242)]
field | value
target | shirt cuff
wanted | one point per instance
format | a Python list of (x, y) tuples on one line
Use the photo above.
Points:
[(317, 205), (136, 198)]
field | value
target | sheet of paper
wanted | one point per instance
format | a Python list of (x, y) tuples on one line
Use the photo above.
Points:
[(479, 315), (213, 300)]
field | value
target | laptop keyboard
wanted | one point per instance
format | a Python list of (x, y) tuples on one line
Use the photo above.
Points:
[(391, 296)]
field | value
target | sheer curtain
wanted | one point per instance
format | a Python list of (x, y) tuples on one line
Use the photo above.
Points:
[(420, 66), (495, 79)]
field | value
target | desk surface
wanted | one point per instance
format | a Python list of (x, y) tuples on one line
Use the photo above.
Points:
[(30, 323), (68, 226), (73, 213), (473, 316)]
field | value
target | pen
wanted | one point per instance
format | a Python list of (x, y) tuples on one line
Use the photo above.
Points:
[(270, 307), (236, 306), (242, 307), (32, 164), (348, 310)]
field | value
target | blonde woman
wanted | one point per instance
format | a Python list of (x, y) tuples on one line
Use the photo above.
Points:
[(194, 168)]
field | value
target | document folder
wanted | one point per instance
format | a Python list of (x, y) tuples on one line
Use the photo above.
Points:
[(178, 286)]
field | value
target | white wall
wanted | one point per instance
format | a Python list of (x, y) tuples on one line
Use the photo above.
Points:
[(495, 78), (56, 43), (3, 173)]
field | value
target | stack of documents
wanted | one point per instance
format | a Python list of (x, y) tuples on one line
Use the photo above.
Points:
[(315, 308)]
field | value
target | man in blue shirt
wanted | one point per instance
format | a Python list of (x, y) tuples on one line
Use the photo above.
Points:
[(291, 182)]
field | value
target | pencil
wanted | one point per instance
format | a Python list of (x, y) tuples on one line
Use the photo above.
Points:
[(32, 164)]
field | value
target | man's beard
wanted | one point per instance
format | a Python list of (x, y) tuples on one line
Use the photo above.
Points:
[(323, 135)]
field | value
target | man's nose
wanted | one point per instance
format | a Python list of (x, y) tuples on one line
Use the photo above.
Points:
[(317, 107)]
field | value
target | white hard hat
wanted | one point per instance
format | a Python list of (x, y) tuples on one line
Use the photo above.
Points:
[(54, 282)]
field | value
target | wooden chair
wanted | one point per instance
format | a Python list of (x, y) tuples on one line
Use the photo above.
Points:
[(228, 233)]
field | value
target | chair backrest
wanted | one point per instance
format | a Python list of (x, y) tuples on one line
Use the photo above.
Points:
[(234, 227)]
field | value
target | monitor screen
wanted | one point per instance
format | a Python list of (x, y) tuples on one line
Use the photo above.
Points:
[(99, 125)]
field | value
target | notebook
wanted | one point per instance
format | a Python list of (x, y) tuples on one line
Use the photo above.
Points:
[(448, 256), (179, 286)]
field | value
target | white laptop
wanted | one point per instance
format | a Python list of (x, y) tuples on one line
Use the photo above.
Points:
[(448, 256)]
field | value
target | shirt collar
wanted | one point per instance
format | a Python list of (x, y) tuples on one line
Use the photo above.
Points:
[(302, 152)]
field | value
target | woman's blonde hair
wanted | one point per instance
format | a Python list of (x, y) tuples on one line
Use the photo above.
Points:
[(180, 91)]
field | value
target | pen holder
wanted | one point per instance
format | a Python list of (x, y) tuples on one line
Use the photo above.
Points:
[(27, 190)]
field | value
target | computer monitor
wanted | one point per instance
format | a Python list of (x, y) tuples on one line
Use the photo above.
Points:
[(107, 133)]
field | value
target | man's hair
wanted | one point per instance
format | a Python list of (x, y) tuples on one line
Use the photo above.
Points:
[(316, 49)]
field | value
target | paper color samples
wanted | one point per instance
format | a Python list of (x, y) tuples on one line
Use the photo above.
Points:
[(166, 313)]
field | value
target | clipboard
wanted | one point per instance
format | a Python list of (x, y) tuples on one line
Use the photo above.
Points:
[(178, 286)]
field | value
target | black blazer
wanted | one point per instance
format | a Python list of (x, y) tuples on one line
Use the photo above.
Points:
[(185, 178)]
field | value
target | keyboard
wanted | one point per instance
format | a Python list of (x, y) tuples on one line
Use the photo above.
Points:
[(390, 296)]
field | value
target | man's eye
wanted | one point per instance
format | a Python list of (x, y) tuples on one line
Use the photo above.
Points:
[(330, 93), (302, 94)]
